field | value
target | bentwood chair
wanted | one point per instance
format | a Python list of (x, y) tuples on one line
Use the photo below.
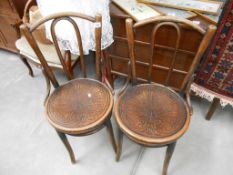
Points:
[(28, 55), (152, 114), (81, 106)]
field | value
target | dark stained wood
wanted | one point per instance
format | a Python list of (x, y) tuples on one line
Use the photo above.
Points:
[(68, 62), (98, 34), (10, 17), (165, 42), (153, 114), (188, 94), (111, 135), (169, 152), (67, 145), (174, 49), (78, 106), (23, 10), (214, 105), (142, 115), (20, 6), (82, 106), (69, 65), (8, 34), (66, 67), (119, 145), (24, 60), (48, 85)]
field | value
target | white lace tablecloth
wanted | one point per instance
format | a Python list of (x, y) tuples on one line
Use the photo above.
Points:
[(64, 30)]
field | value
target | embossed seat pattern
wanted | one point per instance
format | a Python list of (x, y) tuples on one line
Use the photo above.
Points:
[(152, 111), (79, 103)]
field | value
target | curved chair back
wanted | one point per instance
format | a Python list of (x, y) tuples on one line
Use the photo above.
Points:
[(29, 3), (180, 41), (27, 30)]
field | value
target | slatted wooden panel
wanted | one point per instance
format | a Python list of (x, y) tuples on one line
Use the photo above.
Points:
[(164, 50)]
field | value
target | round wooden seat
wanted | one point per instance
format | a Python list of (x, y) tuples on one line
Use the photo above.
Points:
[(152, 114), (80, 106)]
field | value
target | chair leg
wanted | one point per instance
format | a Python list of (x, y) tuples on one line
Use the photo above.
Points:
[(119, 145), (107, 66), (187, 95), (24, 60), (169, 152), (67, 145), (188, 100), (111, 135), (212, 108), (47, 84)]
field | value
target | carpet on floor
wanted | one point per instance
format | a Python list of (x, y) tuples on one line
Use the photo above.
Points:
[(214, 79)]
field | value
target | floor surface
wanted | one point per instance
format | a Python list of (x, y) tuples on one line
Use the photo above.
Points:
[(29, 145)]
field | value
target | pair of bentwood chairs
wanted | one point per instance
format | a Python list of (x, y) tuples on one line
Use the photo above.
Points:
[(149, 114)]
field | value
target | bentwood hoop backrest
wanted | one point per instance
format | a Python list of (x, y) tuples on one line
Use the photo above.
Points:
[(26, 10), (27, 31), (178, 25)]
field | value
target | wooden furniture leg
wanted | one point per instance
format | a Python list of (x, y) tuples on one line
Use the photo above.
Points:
[(212, 109), (111, 135), (24, 60), (119, 145), (187, 95), (169, 152), (67, 145), (47, 84), (107, 65)]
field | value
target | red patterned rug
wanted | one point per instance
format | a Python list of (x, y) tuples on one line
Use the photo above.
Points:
[(215, 76)]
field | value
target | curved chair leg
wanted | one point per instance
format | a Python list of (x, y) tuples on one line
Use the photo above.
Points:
[(67, 145), (24, 60), (111, 135), (119, 145), (188, 100), (47, 84), (169, 152), (187, 95)]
